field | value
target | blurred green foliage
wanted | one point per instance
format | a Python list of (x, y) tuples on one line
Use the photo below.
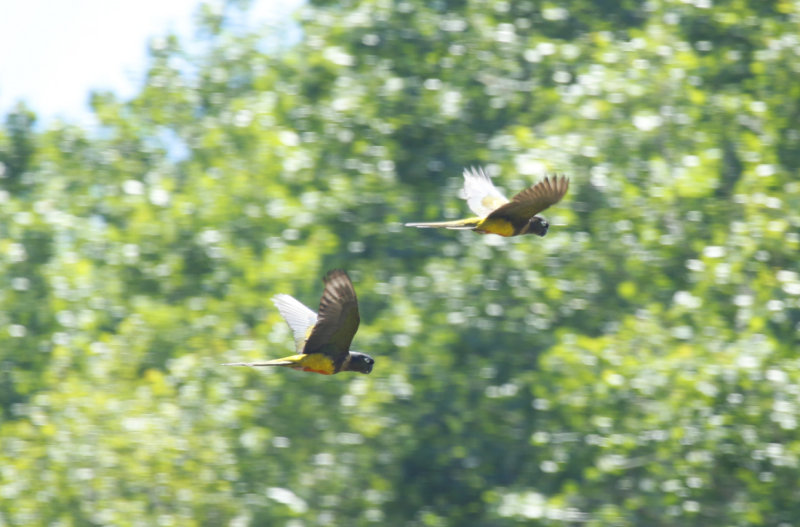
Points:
[(636, 367)]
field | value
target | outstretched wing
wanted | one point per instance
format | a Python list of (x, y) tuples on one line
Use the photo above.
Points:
[(481, 195), (337, 320), (300, 318), (532, 200)]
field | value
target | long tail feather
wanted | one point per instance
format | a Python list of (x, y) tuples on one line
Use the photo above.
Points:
[(276, 362), (465, 224)]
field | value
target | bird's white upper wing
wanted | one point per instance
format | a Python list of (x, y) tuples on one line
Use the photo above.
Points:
[(481, 195), (300, 318)]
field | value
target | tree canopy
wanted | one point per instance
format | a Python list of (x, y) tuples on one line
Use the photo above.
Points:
[(635, 367)]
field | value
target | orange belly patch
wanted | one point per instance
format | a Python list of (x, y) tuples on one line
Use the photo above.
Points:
[(317, 363), (318, 371)]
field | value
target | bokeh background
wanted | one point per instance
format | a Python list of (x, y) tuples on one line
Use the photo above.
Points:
[(636, 367)]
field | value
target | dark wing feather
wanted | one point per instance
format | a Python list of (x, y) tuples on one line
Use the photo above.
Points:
[(533, 200), (337, 320)]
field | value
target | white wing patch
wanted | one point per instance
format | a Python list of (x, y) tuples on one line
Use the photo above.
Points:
[(481, 195), (300, 318)]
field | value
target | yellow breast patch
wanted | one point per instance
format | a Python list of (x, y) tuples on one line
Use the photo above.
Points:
[(495, 226), (317, 363)]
